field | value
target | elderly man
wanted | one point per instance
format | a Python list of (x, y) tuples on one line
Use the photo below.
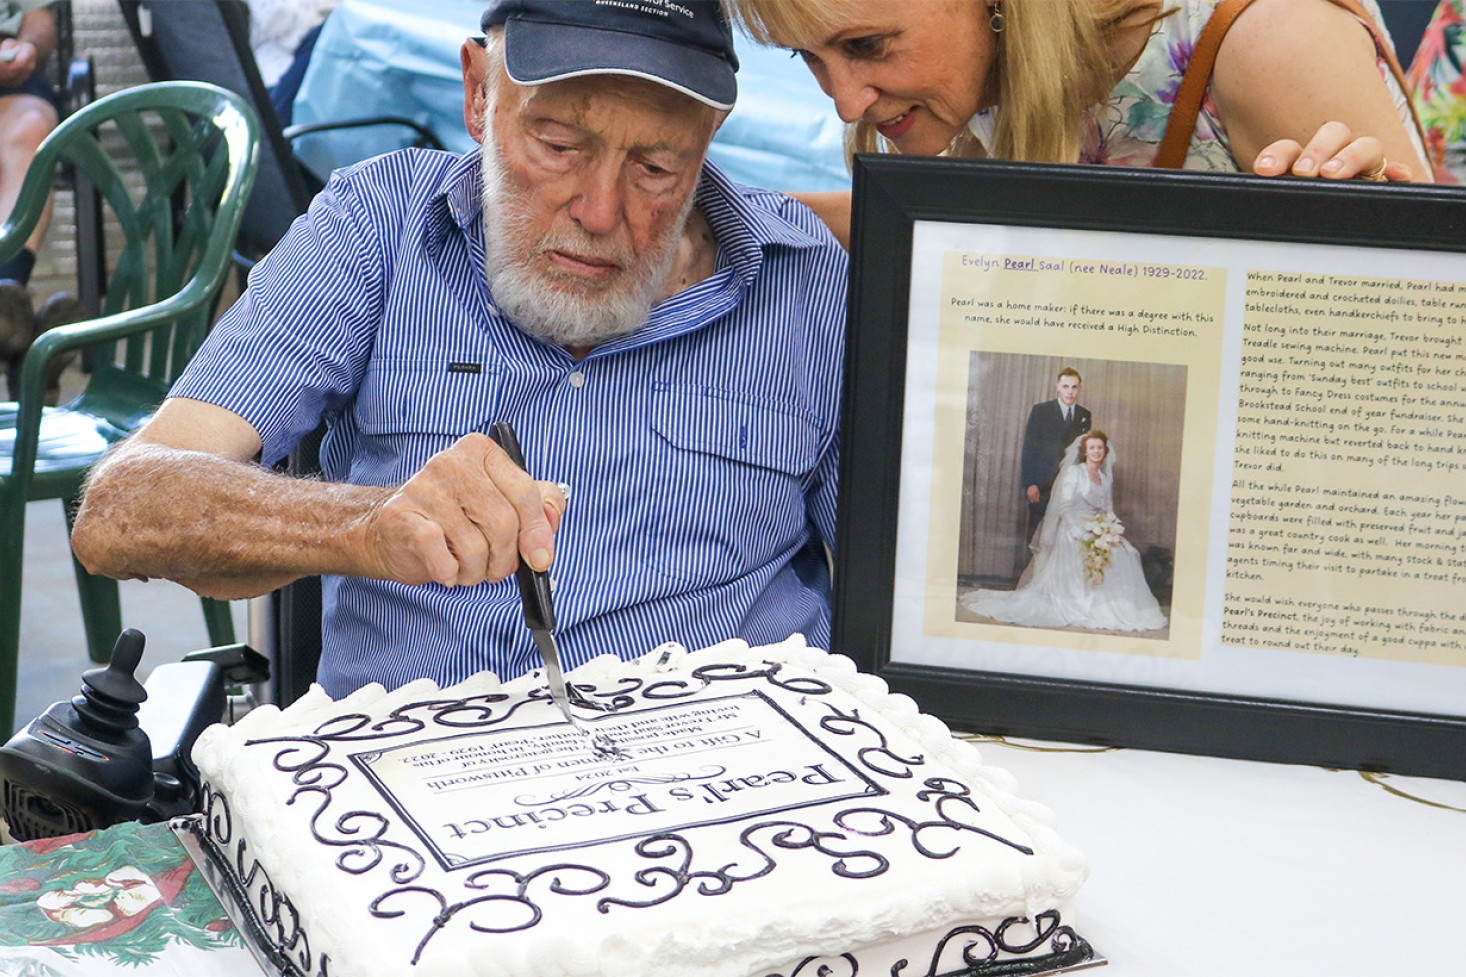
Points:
[(666, 343)]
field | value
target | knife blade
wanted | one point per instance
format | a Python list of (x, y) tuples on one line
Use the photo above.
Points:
[(539, 610)]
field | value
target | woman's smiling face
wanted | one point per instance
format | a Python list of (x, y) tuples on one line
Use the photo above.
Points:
[(913, 69)]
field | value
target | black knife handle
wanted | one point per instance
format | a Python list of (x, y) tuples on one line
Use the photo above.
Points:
[(534, 587)]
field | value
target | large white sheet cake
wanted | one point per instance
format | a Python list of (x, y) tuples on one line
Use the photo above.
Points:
[(771, 811)]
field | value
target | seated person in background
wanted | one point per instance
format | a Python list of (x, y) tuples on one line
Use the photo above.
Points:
[(29, 110), (282, 34), (665, 342)]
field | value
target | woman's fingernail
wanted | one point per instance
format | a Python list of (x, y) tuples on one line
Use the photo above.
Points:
[(539, 560), (1305, 166), (1266, 162), (1332, 166)]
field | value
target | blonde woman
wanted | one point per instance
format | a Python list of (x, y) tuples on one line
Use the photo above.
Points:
[(1297, 87)]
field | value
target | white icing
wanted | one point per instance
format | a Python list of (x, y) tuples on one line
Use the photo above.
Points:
[(758, 926)]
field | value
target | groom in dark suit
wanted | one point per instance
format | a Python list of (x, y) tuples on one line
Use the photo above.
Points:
[(1051, 426)]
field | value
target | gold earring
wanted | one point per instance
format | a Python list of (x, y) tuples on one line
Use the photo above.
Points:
[(995, 21)]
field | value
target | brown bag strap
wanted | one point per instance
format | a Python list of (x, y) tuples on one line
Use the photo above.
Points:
[(1187, 106), (1182, 123)]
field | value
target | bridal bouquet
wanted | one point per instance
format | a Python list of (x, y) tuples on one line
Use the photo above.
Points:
[(1102, 533)]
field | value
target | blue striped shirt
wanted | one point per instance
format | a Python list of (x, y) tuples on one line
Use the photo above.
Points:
[(701, 450)]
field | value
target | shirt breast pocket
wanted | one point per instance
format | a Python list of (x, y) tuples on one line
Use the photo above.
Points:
[(729, 473), (408, 411)]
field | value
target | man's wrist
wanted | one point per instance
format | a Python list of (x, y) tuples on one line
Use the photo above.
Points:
[(357, 550)]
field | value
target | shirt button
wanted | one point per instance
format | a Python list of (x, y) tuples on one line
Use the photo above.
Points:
[(577, 379)]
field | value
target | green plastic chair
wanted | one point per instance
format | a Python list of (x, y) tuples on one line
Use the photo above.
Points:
[(174, 163)]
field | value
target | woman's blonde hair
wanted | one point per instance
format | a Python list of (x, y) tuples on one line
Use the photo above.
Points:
[(1055, 59)]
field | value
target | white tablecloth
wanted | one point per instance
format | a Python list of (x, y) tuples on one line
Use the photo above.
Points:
[(1203, 866)]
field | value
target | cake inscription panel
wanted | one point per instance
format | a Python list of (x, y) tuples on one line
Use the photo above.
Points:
[(679, 766)]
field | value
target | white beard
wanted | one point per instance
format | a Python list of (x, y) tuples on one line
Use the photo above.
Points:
[(558, 308)]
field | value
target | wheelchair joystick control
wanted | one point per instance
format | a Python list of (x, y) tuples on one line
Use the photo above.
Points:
[(86, 763), (110, 696)]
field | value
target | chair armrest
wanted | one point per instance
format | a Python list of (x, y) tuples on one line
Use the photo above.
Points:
[(92, 332), (425, 136), (78, 335), (89, 332)]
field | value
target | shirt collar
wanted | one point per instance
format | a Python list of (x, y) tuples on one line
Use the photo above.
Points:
[(463, 191), (984, 126), (744, 231), (457, 203)]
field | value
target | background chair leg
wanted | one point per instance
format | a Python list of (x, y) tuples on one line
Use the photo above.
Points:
[(101, 612), (11, 552), (219, 621), (101, 608)]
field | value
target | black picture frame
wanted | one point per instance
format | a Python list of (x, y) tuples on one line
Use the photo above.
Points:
[(892, 194)]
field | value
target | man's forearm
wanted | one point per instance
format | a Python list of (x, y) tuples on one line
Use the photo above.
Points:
[(222, 528)]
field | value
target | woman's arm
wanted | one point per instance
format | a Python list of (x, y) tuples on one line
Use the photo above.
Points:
[(833, 208), (1295, 81)]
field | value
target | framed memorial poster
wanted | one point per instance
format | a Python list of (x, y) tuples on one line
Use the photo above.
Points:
[(1157, 459)]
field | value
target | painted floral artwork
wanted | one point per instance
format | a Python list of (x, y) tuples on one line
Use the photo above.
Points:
[(125, 896), (1438, 85)]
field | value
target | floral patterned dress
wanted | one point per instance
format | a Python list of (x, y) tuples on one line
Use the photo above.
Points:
[(1438, 85), (1127, 130)]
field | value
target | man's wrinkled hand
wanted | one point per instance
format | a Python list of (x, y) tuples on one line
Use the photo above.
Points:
[(466, 517)]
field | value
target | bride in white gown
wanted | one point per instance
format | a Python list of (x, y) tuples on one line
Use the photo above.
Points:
[(1069, 584)]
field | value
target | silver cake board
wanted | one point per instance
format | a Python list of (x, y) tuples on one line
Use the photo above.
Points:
[(207, 859), (273, 963)]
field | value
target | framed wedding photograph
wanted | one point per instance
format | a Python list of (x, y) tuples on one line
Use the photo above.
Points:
[(1158, 459)]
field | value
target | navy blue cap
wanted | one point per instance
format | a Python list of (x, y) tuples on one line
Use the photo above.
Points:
[(686, 45)]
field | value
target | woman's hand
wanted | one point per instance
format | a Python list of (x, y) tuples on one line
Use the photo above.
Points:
[(1333, 153)]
